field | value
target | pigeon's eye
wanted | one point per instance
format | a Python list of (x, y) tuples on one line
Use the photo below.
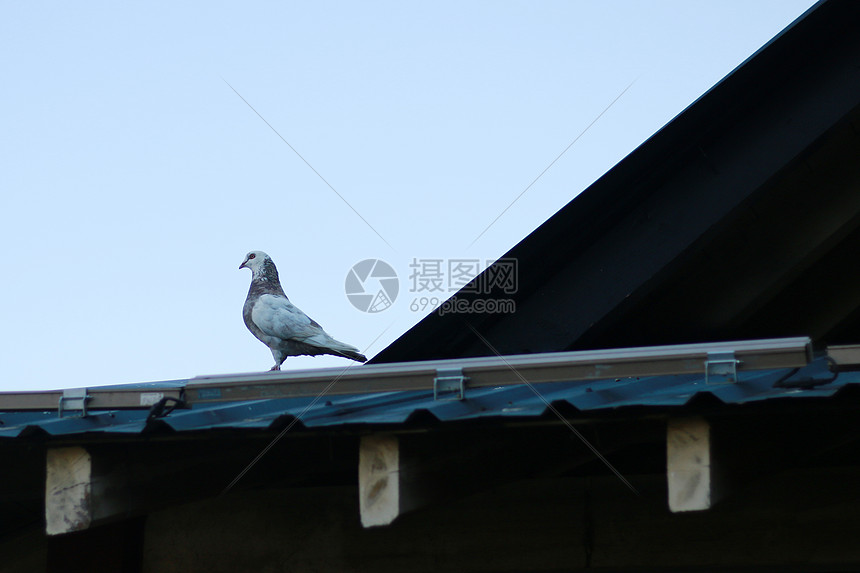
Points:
[(251, 256)]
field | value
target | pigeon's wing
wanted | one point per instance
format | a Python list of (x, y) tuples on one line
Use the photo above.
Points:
[(277, 316)]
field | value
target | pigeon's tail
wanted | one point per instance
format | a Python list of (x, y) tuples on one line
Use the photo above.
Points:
[(338, 348), (357, 356)]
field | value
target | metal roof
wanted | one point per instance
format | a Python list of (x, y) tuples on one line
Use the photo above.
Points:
[(595, 397)]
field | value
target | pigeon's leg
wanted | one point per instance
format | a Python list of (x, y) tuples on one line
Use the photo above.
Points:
[(279, 359)]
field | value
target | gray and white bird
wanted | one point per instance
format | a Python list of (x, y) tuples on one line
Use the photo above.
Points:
[(278, 323)]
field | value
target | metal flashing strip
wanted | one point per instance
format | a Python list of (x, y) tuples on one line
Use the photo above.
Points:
[(492, 371), (844, 358), (102, 398), (495, 371)]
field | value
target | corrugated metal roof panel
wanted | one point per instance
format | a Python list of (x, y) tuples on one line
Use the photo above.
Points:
[(520, 401)]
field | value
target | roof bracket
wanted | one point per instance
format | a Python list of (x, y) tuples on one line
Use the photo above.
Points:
[(449, 384), (721, 368), (74, 399)]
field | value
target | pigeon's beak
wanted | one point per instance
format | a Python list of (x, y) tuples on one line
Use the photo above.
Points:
[(242, 266)]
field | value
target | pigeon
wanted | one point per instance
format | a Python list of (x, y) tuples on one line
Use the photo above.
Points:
[(278, 323)]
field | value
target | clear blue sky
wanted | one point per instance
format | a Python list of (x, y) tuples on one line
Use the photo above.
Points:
[(134, 180)]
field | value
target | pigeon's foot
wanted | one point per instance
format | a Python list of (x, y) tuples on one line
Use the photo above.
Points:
[(275, 367)]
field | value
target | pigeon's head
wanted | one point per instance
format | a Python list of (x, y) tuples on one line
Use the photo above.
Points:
[(255, 260)]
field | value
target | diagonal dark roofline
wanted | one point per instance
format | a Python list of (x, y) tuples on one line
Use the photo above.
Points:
[(621, 192)]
